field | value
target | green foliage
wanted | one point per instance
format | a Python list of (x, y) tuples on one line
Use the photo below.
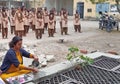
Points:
[(73, 53), (102, 0), (69, 56), (86, 59), (93, 1), (73, 49)]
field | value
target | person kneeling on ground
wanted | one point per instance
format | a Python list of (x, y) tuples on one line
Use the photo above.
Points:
[(13, 62)]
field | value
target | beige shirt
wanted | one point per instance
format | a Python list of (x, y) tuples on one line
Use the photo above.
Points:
[(51, 26), (33, 19), (76, 21), (46, 17), (5, 22), (64, 22), (12, 20), (30, 17), (26, 19), (39, 23), (19, 26)]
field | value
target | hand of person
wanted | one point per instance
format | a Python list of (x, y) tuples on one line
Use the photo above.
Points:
[(35, 58), (35, 70)]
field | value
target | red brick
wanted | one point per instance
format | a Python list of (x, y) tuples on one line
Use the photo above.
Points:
[(84, 51), (113, 52)]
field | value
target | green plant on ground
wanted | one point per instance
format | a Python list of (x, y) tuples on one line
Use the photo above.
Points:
[(74, 53)]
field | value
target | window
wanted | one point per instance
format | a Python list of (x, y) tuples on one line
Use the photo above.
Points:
[(89, 10)]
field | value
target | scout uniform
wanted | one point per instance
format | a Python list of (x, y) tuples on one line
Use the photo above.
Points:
[(77, 25), (55, 13), (26, 22), (12, 22), (64, 24), (39, 25), (61, 17), (19, 28), (30, 19), (33, 21), (46, 19), (4, 25), (51, 25)]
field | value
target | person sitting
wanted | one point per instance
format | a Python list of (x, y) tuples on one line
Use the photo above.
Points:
[(13, 61)]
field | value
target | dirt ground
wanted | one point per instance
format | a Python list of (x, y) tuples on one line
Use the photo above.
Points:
[(90, 39)]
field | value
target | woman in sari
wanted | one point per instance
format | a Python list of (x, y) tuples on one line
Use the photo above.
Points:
[(13, 62)]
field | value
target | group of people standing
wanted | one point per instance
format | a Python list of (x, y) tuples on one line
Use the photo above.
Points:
[(39, 20)]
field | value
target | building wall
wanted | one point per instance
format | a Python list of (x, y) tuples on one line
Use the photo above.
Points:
[(67, 4), (58, 4), (9, 4), (87, 5), (70, 5), (3, 3), (50, 4), (36, 3)]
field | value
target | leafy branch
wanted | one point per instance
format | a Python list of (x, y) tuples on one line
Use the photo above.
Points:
[(73, 53)]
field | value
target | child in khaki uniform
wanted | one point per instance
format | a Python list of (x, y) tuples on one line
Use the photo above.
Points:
[(4, 24), (51, 25), (46, 18), (26, 22), (55, 14), (30, 18), (61, 17), (77, 25), (19, 25), (64, 24), (33, 21), (39, 25), (12, 21)]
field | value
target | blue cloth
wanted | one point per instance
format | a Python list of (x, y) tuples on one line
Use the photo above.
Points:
[(10, 58)]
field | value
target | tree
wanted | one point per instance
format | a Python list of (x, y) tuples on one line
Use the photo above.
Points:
[(117, 3)]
